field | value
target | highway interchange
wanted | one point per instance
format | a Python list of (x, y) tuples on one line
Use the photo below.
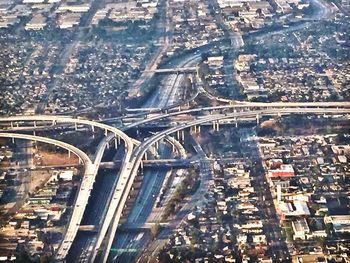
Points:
[(135, 151), (134, 156)]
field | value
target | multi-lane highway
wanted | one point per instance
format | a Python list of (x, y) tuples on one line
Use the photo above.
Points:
[(154, 115), (91, 169), (71, 120), (95, 216), (133, 159), (152, 183), (167, 94), (238, 106), (164, 29), (140, 151), (68, 240)]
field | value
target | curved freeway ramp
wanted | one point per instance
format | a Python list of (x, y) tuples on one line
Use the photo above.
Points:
[(84, 191), (144, 147), (90, 170), (67, 119)]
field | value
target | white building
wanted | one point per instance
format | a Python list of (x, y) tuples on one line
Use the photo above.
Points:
[(300, 229), (66, 175)]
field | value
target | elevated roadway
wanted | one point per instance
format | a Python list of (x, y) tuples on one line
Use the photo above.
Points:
[(68, 240), (83, 194), (154, 163), (143, 112), (75, 121), (174, 70), (140, 151), (91, 170), (70, 148), (241, 105), (132, 162), (178, 145), (164, 98)]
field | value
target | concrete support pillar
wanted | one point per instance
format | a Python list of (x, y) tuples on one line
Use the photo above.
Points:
[(141, 164), (214, 126), (115, 143), (34, 124), (146, 157), (106, 132), (80, 161), (183, 135), (11, 125), (178, 135), (173, 146), (107, 145), (17, 124), (156, 145), (137, 132), (118, 138), (53, 122), (199, 128), (93, 128), (236, 122), (218, 126), (75, 125), (69, 153), (34, 133), (179, 108), (13, 140), (257, 118), (166, 111)]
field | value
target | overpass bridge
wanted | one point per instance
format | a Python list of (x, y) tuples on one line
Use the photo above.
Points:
[(154, 114), (141, 226), (140, 151), (165, 163), (230, 104), (83, 158), (124, 227), (173, 70), (83, 193), (91, 170), (67, 119), (239, 107), (132, 161), (88, 228)]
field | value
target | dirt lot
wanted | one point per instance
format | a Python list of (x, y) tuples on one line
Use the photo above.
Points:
[(44, 158), (38, 179)]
